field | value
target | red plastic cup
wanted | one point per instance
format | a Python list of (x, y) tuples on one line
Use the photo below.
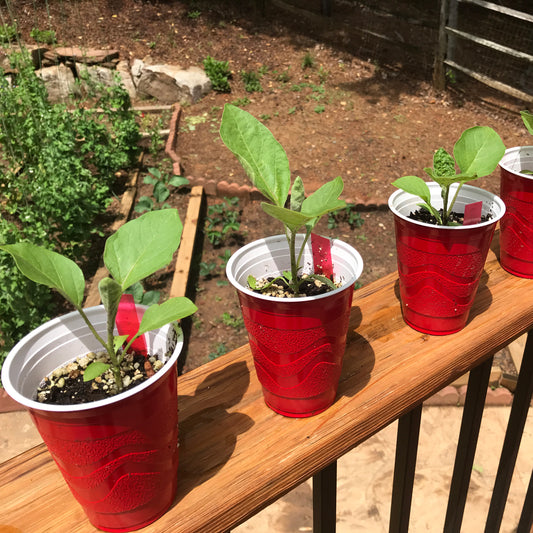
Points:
[(298, 344), (439, 267), (119, 456), (516, 190)]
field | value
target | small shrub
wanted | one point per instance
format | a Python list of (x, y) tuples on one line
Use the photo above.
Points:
[(308, 61), (252, 82), (219, 74), (43, 36), (8, 33)]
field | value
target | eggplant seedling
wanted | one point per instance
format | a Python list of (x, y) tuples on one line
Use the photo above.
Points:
[(477, 153), (266, 164), (136, 250)]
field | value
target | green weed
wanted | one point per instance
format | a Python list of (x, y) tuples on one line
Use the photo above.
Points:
[(219, 74), (161, 183)]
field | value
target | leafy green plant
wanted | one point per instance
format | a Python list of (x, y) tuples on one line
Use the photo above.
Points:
[(233, 322), (477, 153), (138, 249), (142, 297), (58, 170), (220, 350), (160, 190), (221, 219), (267, 165), (527, 119), (194, 14), (8, 33), (252, 81), (43, 36), (308, 61), (347, 214), (219, 74)]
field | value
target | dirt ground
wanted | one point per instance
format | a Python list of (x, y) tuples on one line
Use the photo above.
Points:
[(334, 113)]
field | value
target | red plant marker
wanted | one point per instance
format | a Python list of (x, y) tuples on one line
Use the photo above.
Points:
[(321, 247), (128, 320), (472, 213)]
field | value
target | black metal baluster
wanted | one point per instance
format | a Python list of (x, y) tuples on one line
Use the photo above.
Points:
[(325, 500), (404, 470), (525, 524), (513, 436), (466, 445)]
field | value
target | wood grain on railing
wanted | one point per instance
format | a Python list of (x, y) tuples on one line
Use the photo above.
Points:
[(237, 456)]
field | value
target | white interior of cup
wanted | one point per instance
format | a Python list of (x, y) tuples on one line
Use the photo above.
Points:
[(518, 158), (63, 339), (402, 203), (270, 257)]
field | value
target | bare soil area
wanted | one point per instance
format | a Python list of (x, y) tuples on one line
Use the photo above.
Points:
[(334, 113)]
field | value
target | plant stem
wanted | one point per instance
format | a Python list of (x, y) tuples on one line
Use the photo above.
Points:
[(294, 264), (107, 345)]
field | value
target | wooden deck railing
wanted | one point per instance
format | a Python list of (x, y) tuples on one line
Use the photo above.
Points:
[(237, 456)]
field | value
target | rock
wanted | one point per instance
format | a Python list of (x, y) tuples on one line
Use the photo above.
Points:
[(88, 56), (169, 84), (126, 77), (97, 73), (59, 82)]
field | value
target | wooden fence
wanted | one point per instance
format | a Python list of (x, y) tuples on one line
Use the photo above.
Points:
[(439, 39)]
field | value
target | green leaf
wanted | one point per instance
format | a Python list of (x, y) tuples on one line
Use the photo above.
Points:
[(160, 192), (292, 219), (142, 246), (178, 181), (157, 316), (527, 119), (145, 203), (252, 282), (443, 163), (110, 292), (414, 185), (297, 194), (325, 199), (261, 155), (50, 269), (94, 370), (118, 341), (478, 151)]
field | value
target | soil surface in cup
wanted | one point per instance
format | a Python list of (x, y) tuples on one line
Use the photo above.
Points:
[(423, 215), (279, 287), (65, 385)]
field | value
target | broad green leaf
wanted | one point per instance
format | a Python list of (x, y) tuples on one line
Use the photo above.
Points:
[(292, 219), (178, 181), (527, 118), (50, 269), (142, 246), (414, 185), (157, 316), (478, 151), (261, 155), (252, 282), (110, 292), (297, 194), (94, 370), (325, 199)]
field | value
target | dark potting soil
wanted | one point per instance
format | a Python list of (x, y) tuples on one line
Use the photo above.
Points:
[(423, 215), (65, 386)]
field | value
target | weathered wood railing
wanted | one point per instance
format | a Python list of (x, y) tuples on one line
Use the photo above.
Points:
[(237, 456)]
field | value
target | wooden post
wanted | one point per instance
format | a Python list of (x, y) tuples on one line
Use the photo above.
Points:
[(439, 77)]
